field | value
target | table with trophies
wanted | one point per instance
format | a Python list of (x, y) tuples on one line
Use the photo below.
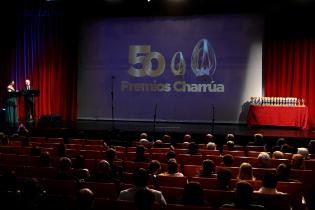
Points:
[(277, 111)]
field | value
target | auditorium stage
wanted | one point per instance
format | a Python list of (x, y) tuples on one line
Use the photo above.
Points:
[(128, 131)]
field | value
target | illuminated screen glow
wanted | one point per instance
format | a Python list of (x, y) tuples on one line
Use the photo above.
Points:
[(182, 66)]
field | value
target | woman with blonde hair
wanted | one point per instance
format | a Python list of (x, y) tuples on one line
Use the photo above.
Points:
[(245, 172)]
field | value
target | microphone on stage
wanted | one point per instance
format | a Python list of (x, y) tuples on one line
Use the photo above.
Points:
[(154, 117)]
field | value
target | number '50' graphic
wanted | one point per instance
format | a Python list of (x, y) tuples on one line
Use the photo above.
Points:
[(141, 57)]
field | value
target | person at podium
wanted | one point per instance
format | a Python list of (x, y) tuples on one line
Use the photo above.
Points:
[(11, 114), (29, 106)]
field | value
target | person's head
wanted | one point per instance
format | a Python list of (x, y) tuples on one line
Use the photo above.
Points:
[(208, 138), (5, 140), (85, 199), (31, 189), (110, 154), (228, 160), (145, 142), (245, 172), (158, 143), (277, 155), (193, 194), (286, 148), (187, 138), (154, 167), (143, 135), (11, 82), (297, 161), (166, 138), (258, 139), (311, 146), (170, 154), (140, 177), (230, 145), (79, 162), (211, 146), (65, 164), (45, 159), (102, 168), (172, 166), (263, 159), (243, 194), (283, 172), (281, 141), (303, 151), (27, 82), (140, 150), (208, 167), (230, 137), (269, 181), (224, 177), (192, 148), (144, 199)]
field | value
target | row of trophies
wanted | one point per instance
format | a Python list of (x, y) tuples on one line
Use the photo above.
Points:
[(277, 101)]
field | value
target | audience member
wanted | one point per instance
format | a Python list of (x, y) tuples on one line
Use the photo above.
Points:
[(263, 160), (85, 199), (269, 184), (297, 161), (283, 173), (243, 197), (277, 155), (157, 144), (64, 169), (209, 138), (245, 172), (140, 154), (79, 170), (193, 148), (144, 199), (32, 194), (311, 146), (166, 138), (224, 177), (61, 150), (45, 159), (170, 154), (172, 169), (230, 145), (110, 156), (228, 160), (211, 146), (140, 177), (208, 169), (286, 148), (193, 195), (154, 167), (280, 142), (304, 152), (258, 139)]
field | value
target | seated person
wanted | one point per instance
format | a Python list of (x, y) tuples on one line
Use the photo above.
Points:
[(193, 195), (263, 160), (228, 160), (45, 159), (283, 172), (269, 184), (193, 148), (140, 178), (245, 172), (211, 146), (224, 177), (230, 145), (303, 151), (209, 138), (79, 170), (85, 199), (140, 154), (110, 156), (144, 199), (170, 154), (297, 161), (208, 169), (277, 155), (64, 170), (311, 146), (243, 197), (172, 169)]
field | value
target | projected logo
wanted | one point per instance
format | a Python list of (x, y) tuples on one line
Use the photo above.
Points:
[(145, 63), (203, 60)]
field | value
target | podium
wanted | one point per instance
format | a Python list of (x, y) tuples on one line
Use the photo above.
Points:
[(29, 98)]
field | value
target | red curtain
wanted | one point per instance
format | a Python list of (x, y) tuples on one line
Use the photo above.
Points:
[(44, 52), (289, 70)]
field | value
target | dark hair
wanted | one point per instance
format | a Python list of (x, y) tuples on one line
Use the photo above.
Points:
[(154, 166), (144, 199), (140, 150), (110, 154), (193, 194), (208, 167), (140, 177), (170, 154), (64, 164), (192, 148), (224, 177), (61, 150), (172, 166), (283, 172), (85, 198), (243, 194), (269, 180), (45, 159), (228, 160), (79, 162)]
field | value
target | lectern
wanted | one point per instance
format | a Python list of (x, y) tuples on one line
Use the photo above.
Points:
[(29, 95)]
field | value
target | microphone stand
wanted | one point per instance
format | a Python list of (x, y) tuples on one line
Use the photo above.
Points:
[(212, 124), (154, 119), (112, 97)]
